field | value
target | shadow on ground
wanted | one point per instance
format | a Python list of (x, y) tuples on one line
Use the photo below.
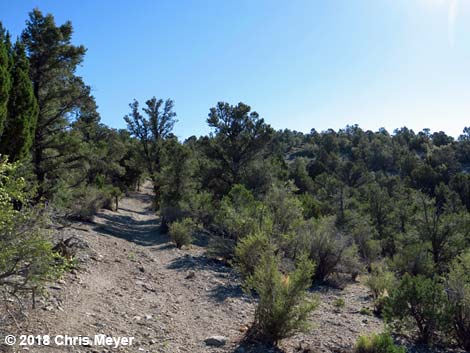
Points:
[(249, 345), (145, 232), (200, 262)]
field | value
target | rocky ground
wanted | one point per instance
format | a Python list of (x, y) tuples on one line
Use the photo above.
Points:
[(131, 281)]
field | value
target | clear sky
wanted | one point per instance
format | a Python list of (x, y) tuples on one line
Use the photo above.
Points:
[(301, 64)]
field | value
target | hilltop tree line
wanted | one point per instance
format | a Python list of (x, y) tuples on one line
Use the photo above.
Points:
[(286, 209)]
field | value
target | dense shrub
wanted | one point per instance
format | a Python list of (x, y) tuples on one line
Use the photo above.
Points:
[(181, 232), (417, 303), (380, 281), (248, 250), (377, 343), (82, 203), (350, 262), (325, 245), (283, 306), (364, 235), (26, 257), (240, 214), (285, 210), (458, 305), (414, 258), (200, 206)]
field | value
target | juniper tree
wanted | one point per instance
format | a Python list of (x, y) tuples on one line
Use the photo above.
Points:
[(4, 78), (22, 114)]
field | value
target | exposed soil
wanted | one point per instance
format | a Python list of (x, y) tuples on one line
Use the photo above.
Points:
[(132, 281)]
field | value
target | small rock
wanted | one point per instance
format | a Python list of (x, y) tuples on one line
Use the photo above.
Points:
[(216, 341), (243, 328), (191, 274)]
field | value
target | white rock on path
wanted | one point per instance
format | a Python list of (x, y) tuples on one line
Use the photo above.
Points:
[(216, 341)]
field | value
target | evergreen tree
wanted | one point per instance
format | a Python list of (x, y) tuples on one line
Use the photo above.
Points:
[(21, 121), (152, 132), (60, 95), (4, 77), (240, 137)]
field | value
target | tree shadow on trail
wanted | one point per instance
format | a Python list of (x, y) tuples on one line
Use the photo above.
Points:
[(141, 232), (201, 262), (224, 291), (250, 345)]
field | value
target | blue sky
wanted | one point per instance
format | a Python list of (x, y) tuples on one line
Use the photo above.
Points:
[(301, 64)]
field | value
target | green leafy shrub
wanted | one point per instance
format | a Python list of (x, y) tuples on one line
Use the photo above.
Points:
[(417, 303), (181, 232), (27, 260), (377, 343), (248, 250), (458, 300), (283, 306), (240, 214)]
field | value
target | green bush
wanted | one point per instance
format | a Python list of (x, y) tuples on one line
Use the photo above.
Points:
[(283, 306), (417, 303), (458, 300), (82, 203), (363, 234), (350, 262), (414, 258), (181, 232), (380, 281), (377, 343), (365, 311), (221, 248), (285, 210), (240, 214), (200, 206), (339, 303), (27, 260), (310, 206), (325, 245), (248, 250)]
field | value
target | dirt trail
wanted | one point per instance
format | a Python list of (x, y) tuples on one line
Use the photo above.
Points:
[(134, 282)]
